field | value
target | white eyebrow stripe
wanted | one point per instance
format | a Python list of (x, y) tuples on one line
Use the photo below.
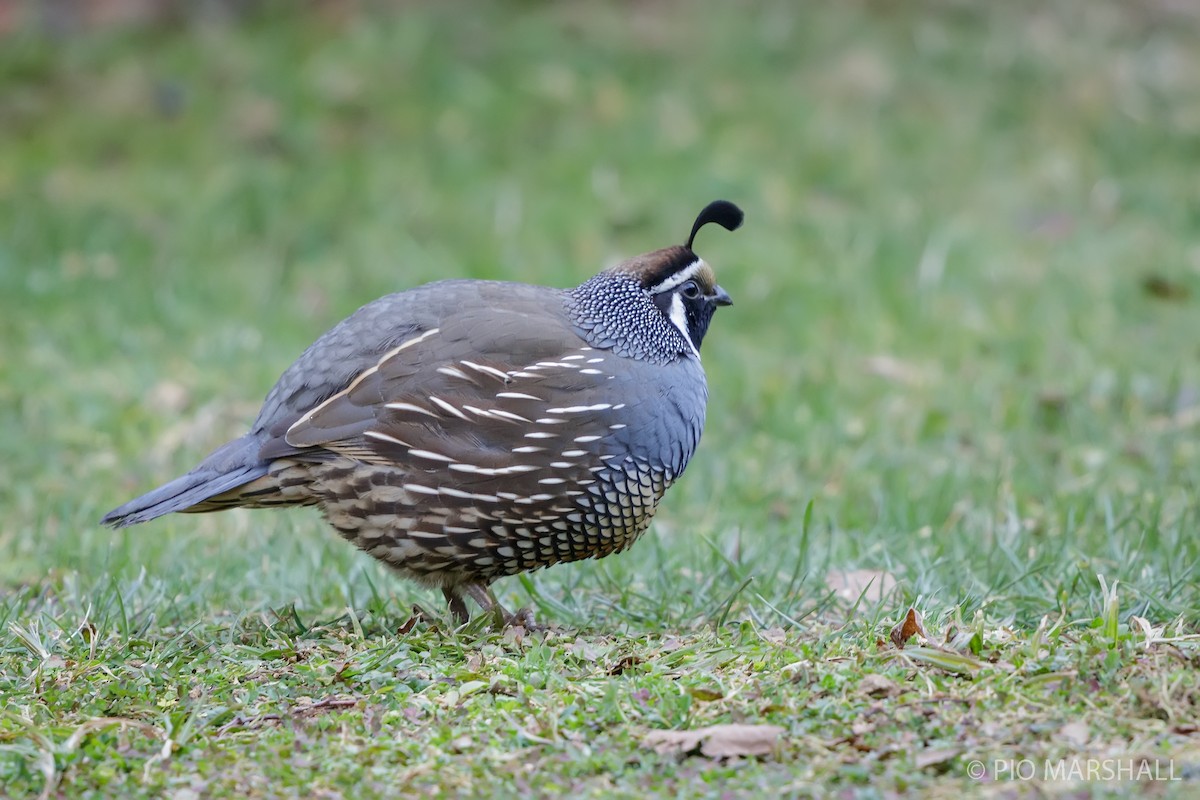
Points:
[(685, 274)]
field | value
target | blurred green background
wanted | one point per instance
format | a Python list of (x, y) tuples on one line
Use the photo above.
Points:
[(965, 326)]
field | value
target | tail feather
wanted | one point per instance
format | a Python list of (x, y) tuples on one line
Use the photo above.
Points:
[(229, 467)]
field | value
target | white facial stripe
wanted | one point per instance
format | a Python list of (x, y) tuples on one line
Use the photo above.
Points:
[(685, 274), (679, 319)]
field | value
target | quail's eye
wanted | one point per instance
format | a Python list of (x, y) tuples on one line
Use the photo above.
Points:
[(690, 290)]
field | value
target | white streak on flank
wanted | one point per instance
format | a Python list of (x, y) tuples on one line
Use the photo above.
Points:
[(578, 409), (590, 372), (442, 404), (551, 364), (486, 370), (582, 439), (685, 274), (594, 360), (551, 481), (617, 426), (416, 488), (618, 406), (513, 470), (584, 349), (497, 412), (453, 372), (425, 535), (561, 464), (383, 437), (540, 498), (456, 529), (550, 421), (409, 407), (571, 358), (524, 375), (431, 455), (448, 492), (304, 420), (529, 448), (678, 318), (573, 453), (476, 411), (541, 435), (517, 396)]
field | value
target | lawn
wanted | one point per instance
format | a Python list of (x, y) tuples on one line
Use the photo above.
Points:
[(962, 375)]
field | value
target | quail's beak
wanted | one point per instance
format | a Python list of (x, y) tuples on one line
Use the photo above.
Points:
[(722, 297)]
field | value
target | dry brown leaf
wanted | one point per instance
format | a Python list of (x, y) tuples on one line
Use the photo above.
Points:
[(913, 625), (1075, 733), (718, 741), (936, 755), (774, 635), (583, 649), (1163, 288), (872, 585), (877, 685)]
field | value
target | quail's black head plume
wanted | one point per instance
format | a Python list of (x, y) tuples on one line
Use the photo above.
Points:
[(467, 430)]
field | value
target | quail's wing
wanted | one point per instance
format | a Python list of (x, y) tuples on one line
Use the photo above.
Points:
[(488, 394)]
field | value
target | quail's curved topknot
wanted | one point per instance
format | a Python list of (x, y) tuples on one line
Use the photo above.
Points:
[(722, 212)]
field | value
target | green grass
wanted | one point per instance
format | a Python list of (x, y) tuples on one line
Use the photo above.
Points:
[(963, 356)]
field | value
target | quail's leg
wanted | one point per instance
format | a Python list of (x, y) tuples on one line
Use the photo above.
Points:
[(501, 619), (458, 606)]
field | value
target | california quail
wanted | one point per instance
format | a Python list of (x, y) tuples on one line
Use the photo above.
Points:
[(466, 430)]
